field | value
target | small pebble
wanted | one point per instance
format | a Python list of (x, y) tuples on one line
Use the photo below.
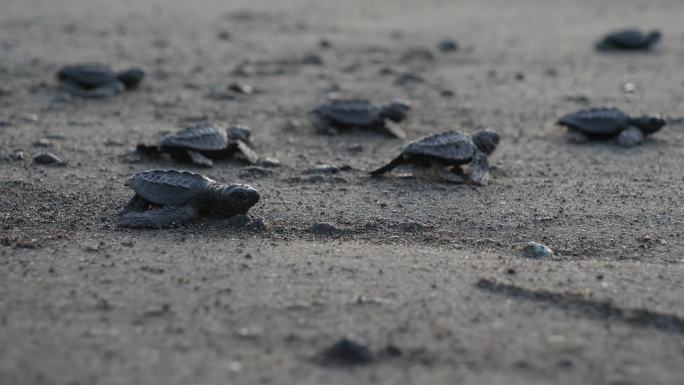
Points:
[(408, 78), (629, 87), (348, 352), (323, 169), (241, 88), (42, 142), (270, 162), (17, 155), (537, 250), (312, 59), (324, 228), (255, 171), (28, 118), (447, 45), (223, 35)]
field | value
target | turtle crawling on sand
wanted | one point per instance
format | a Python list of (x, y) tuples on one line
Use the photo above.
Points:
[(605, 123), (361, 113), (97, 81), (629, 39), (165, 198), (202, 142), (447, 152)]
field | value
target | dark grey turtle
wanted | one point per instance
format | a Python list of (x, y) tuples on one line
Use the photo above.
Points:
[(604, 123), (346, 113), (202, 142), (165, 198), (447, 152), (97, 81), (629, 39)]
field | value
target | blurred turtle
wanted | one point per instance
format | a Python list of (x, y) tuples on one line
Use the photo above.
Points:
[(604, 123), (629, 39), (346, 113), (202, 142), (164, 198), (447, 152), (97, 81)]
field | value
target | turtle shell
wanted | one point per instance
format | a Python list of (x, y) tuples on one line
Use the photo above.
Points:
[(205, 136), (350, 112), (596, 121), (169, 187), (451, 147), (87, 76)]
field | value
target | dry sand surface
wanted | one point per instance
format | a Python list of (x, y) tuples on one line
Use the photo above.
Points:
[(430, 268)]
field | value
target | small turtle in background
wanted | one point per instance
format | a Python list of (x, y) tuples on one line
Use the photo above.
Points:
[(629, 39), (97, 81), (361, 113), (165, 198), (604, 123), (447, 152), (202, 142)]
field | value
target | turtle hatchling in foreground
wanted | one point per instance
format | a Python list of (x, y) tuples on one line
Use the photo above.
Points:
[(202, 142), (447, 152), (603, 123), (629, 39), (165, 198), (97, 80), (361, 113)]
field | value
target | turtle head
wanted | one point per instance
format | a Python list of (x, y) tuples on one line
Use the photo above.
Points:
[(236, 199), (239, 133), (131, 77), (648, 124), (396, 111), (654, 36), (486, 140)]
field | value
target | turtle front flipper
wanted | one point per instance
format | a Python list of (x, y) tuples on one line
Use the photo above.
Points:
[(630, 137), (389, 166), (135, 204), (394, 129), (478, 171), (199, 159), (247, 152), (321, 124), (167, 216)]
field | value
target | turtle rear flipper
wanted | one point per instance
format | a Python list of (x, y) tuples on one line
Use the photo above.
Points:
[(389, 166), (478, 171), (135, 204), (630, 137), (576, 136), (167, 216), (446, 174), (394, 129), (247, 152), (106, 91), (199, 159)]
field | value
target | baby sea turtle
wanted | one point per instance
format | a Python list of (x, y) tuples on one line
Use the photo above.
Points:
[(629, 39), (97, 81), (165, 198), (362, 113), (607, 123), (450, 150), (202, 142)]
